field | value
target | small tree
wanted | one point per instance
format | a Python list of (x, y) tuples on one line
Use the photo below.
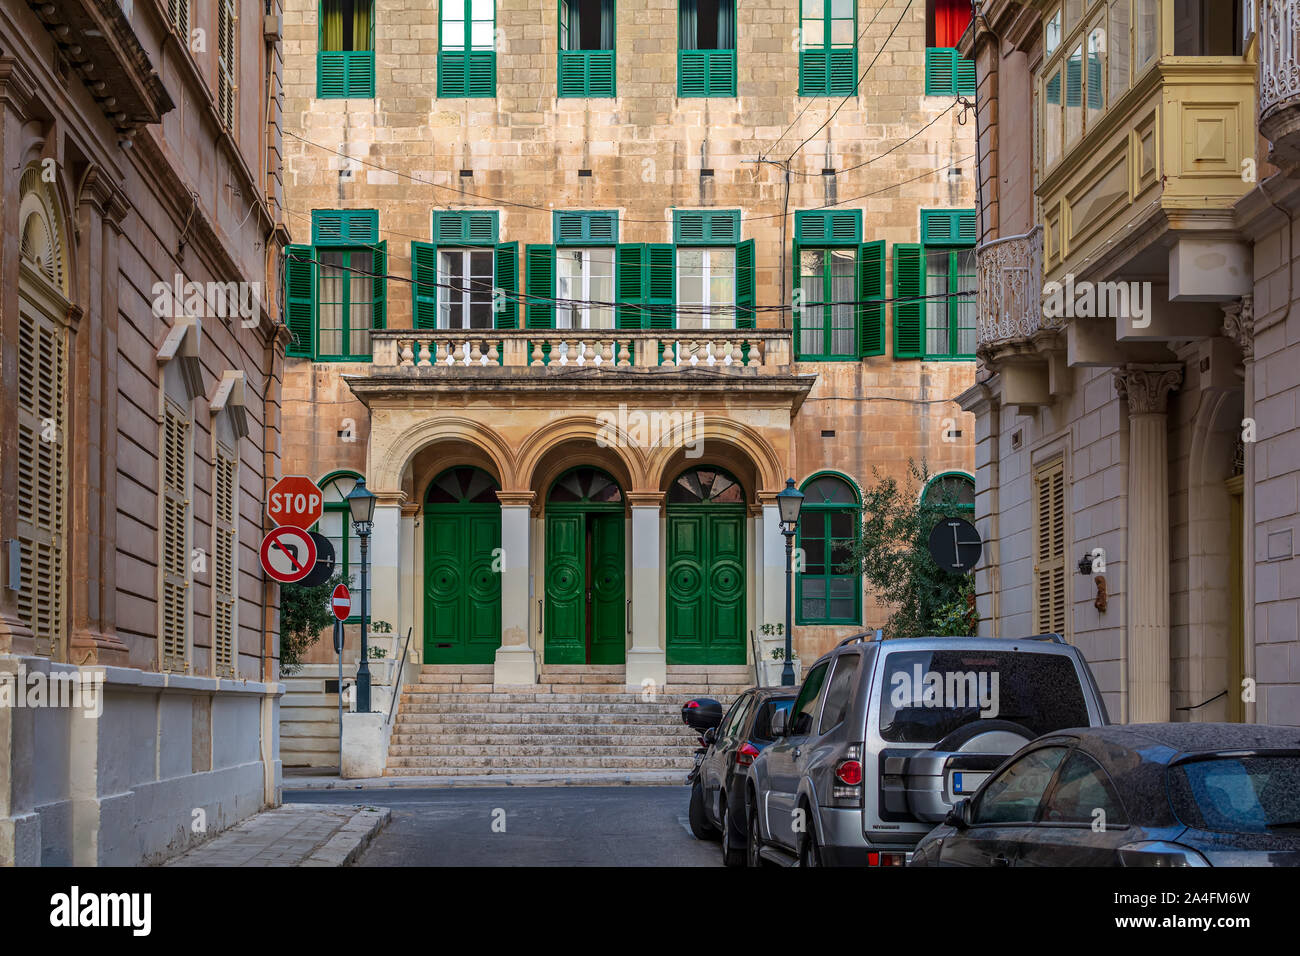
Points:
[(893, 555), (304, 613)]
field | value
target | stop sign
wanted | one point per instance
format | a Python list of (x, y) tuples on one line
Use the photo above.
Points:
[(295, 500)]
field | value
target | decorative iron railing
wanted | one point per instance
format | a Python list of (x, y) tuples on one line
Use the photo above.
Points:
[(1010, 299)]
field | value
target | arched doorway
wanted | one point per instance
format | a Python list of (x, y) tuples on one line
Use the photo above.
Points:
[(586, 616), (706, 568), (462, 580)]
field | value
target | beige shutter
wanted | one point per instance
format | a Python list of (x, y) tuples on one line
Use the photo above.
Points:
[(1049, 548), (42, 461), (227, 44), (175, 542), (178, 12), (225, 496)]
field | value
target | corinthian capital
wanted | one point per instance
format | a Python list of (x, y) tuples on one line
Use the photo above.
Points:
[(1239, 324), (1147, 387)]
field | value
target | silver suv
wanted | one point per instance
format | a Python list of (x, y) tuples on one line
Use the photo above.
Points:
[(886, 734)]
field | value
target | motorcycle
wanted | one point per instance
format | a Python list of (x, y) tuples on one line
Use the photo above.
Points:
[(702, 714)]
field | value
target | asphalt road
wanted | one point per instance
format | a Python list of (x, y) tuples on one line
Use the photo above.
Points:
[(528, 826)]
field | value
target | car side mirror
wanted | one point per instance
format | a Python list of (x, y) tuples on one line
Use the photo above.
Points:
[(960, 815), (778, 723), (710, 735)]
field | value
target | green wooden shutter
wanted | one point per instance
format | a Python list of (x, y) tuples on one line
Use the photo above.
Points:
[(909, 281), (745, 284), (584, 228), (424, 288), (842, 71), (871, 295), (828, 227), (300, 299), (344, 227), (380, 285), (630, 281), (940, 69), (706, 227), (660, 284), (812, 71), (965, 74), (796, 292), (948, 227), (466, 228), (540, 277), (505, 302)]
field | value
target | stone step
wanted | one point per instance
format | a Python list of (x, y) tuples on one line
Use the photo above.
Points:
[(436, 721), (681, 694), (457, 668), (584, 669), (426, 704), (577, 747), (504, 733), (541, 777), (400, 766)]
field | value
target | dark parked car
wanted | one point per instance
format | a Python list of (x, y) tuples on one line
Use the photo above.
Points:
[(718, 792), (1138, 795)]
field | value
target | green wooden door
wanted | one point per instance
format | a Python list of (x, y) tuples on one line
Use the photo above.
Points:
[(462, 579), (606, 584), (705, 601), (566, 589)]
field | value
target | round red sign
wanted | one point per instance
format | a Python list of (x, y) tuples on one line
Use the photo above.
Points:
[(341, 602)]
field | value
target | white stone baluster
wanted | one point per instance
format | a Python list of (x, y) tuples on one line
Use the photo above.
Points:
[(537, 353)]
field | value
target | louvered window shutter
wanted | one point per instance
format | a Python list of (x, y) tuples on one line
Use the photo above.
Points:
[(424, 286), (909, 280), (745, 304), (300, 298), (175, 543), (630, 280), (1050, 609), (870, 295), (42, 464), (660, 284), (225, 507), (540, 278), (379, 285), (505, 299)]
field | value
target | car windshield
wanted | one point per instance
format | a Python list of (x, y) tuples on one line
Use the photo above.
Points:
[(1238, 794), (929, 694)]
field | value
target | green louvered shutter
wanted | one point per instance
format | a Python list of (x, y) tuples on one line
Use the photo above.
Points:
[(380, 285), (540, 277), (629, 288), (948, 227), (842, 71), (745, 284), (940, 67), (965, 75), (812, 71), (871, 295), (796, 291), (660, 287), (300, 299), (505, 298), (909, 280), (424, 287)]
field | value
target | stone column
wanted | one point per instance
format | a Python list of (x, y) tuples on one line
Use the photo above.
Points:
[(516, 659), (1147, 388), (647, 660), (771, 575), (386, 596), (1239, 325)]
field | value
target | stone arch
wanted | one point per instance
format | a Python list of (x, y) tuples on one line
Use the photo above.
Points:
[(722, 442), (1206, 644), (579, 440), (400, 465)]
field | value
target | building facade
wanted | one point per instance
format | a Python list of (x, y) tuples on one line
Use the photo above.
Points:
[(138, 424), (1137, 446), (541, 286)]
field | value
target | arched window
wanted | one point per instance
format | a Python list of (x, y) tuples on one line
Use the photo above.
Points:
[(585, 486), (955, 487), (336, 524), (706, 485), (829, 586)]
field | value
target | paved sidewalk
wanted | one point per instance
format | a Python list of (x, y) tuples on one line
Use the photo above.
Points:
[(641, 778), (295, 834)]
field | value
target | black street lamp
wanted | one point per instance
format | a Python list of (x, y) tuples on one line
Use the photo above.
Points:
[(361, 504), (788, 503)]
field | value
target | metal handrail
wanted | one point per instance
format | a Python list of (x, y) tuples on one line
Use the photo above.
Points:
[(397, 687)]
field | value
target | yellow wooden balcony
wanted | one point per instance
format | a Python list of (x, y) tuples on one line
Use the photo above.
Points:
[(1146, 127)]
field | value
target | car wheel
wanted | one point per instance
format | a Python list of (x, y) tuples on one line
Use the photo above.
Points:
[(754, 848), (700, 825), (810, 853), (732, 855)]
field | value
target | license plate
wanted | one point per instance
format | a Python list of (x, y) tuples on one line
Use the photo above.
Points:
[(964, 782)]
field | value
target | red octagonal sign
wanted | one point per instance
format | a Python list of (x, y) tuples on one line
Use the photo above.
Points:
[(295, 500)]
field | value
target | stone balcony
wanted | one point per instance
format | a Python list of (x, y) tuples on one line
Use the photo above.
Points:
[(755, 361), (1279, 78)]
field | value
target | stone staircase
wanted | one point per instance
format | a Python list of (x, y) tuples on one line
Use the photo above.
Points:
[(578, 720)]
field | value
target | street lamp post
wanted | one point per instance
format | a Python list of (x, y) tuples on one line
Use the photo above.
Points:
[(788, 503), (361, 505)]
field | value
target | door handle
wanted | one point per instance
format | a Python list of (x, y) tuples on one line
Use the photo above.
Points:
[(629, 615), (539, 616), (588, 595), (1000, 860)]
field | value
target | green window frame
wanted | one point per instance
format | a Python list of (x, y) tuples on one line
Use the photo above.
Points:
[(336, 524), (585, 64), (934, 289), (829, 528), (855, 308), (467, 59), (828, 47), (431, 287), (948, 73), (706, 48), (345, 62), (701, 231), (340, 279), (947, 484)]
